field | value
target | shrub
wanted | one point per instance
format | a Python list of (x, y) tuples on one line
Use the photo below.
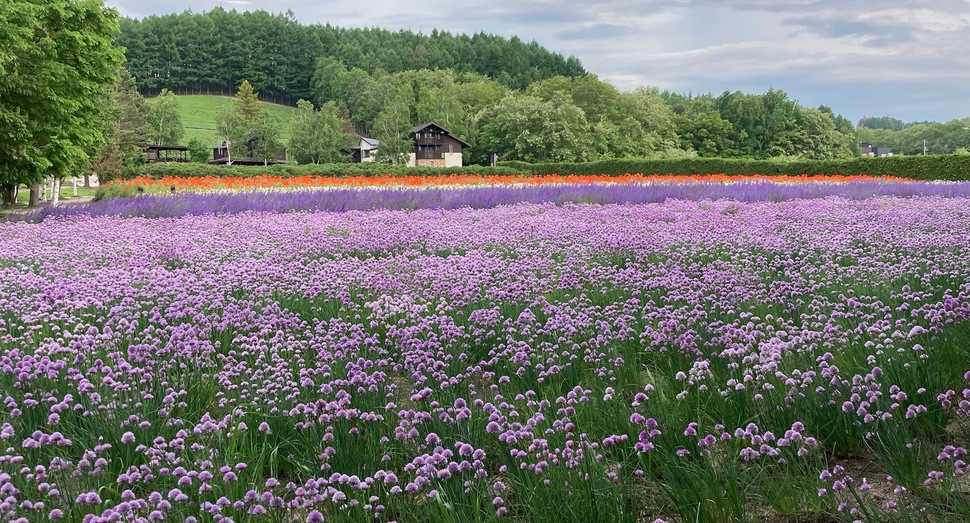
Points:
[(951, 167)]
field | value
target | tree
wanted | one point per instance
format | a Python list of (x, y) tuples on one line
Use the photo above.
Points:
[(199, 151), (317, 135), (233, 131), (883, 122), (246, 129), (56, 65), (247, 102), (588, 92), (164, 119), (707, 133), (527, 128), (128, 133), (263, 140), (654, 115), (392, 128)]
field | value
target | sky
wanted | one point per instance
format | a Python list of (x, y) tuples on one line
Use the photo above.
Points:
[(901, 59)]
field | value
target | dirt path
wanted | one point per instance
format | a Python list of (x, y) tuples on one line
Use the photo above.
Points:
[(21, 209)]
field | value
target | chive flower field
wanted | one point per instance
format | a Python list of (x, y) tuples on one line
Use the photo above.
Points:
[(621, 353)]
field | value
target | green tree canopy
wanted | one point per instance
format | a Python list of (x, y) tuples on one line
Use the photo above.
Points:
[(527, 128), (233, 131), (128, 131), (214, 51), (57, 63), (165, 119), (392, 127), (247, 102), (264, 139), (317, 135)]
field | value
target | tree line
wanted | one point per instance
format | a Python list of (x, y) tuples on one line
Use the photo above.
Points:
[(952, 137), (580, 118), (213, 52), (558, 119)]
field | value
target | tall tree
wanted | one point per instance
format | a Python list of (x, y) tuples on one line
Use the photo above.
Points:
[(233, 131), (317, 135), (525, 127), (655, 117), (247, 102), (57, 63), (165, 119), (392, 128), (264, 139), (129, 130)]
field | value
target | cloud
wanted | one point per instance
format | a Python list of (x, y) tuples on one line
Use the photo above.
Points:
[(597, 31)]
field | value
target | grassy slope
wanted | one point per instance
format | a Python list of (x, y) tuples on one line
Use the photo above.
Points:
[(199, 114)]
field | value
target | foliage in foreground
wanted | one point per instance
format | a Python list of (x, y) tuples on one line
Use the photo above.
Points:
[(526, 362), (342, 199)]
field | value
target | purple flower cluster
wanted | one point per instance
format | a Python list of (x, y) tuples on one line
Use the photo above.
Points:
[(383, 364), (398, 198)]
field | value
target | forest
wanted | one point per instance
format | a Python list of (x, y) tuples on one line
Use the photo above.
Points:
[(213, 52)]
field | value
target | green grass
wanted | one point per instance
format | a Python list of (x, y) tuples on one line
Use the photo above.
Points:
[(199, 113), (66, 192)]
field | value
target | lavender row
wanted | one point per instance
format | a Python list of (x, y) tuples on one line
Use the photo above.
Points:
[(340, 200), (532, 362)]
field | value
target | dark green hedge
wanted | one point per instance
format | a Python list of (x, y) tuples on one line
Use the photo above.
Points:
[(951, 167), (335, 170)]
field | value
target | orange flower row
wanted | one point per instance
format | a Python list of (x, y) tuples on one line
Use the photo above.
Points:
[(215, 183)]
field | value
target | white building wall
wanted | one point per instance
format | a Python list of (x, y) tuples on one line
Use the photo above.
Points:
[(412, 160), (453, 160)]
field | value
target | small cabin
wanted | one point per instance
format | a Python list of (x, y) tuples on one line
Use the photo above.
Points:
[(166, 153)]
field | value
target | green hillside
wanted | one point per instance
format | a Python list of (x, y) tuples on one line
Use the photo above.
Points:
[(199, 114)]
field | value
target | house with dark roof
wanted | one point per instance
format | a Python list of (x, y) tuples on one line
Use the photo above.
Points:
[(435, 146), (364, 151)]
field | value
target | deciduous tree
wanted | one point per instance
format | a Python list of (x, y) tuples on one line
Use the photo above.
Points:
[(392, 127), (264, 139), (233, 131), (317, 135), (164, 119), (525, 127), (57, 62)]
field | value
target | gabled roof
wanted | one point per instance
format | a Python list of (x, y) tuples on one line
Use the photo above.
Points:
[(373, 142), (422, 127)]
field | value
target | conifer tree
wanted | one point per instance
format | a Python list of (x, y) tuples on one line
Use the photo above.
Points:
[(247, 101)]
